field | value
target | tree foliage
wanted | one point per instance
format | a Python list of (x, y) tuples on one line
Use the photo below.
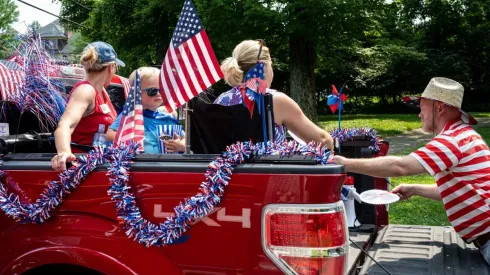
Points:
[(380, 49), (8, 15), (34, 26)]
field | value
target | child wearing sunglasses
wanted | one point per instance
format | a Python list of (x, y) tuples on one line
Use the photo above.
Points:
[(154, 118)]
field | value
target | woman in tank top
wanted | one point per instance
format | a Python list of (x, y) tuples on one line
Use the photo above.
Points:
[(89, 109), (287, 113)]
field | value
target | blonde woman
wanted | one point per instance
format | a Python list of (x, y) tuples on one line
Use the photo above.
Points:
[(89, 110), (287, 113), (153, 117)]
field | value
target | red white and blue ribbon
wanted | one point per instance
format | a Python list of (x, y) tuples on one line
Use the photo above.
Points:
[(254, 87), (351, 134), (38, 92), (52, 196)]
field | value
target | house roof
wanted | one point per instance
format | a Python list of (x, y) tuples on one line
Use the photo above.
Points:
[(52, 30), (68, 49)]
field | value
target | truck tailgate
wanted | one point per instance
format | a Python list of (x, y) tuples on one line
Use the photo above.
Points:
[(413, 250), (355, 254)]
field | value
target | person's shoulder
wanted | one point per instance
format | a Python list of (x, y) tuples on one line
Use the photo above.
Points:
[(84, 90), (280, 97)]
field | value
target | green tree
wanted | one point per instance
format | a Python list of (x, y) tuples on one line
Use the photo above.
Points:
[(294, 30), (77, 42), (299, 30), (139, 30), (379, 48), (76, 11), (8, 15), (34, 26), (454, 36)]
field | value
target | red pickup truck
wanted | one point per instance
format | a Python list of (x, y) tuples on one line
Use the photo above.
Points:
[(279, 215), (274, 217)]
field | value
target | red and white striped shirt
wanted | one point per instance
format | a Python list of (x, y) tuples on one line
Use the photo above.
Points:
[(460, 161)]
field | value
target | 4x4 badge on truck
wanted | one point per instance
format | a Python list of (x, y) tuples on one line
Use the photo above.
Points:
[(220, 216)]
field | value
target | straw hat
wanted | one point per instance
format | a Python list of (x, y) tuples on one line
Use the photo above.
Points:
[(446, 91)]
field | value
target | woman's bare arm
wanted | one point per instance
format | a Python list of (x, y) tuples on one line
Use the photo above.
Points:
[(287, 112)]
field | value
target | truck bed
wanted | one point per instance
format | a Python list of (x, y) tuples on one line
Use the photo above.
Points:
[(421, 250), (355, 254)]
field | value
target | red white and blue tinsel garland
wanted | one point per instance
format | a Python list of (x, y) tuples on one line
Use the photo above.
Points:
[(52, 196), (129, 215), (38, 92), (349, 134)]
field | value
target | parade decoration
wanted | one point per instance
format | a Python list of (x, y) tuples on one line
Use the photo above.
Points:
[(191, 209), (36, 92), (131, 125), (254, 87), (253, 91), (351, 134), (52, 196), (336, 101), (195, 74)]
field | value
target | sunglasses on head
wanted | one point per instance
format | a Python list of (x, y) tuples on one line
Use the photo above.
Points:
[(262, 43), (152, 91)]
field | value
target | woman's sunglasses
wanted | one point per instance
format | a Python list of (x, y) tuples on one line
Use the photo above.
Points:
[(262, 43), (152, 91)]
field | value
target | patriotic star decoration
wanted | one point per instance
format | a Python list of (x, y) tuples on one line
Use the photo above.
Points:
[(253, 87), (336, 99)]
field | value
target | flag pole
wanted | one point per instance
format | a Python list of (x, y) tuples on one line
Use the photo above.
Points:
[(187, 123)]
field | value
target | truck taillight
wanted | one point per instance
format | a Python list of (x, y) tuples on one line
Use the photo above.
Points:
[(306, 239)]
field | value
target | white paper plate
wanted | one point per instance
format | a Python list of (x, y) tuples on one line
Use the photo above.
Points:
[(377, 196)]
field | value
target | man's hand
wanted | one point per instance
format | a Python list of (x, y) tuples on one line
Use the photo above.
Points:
[(175, 145), (339, 160), (404, 191)]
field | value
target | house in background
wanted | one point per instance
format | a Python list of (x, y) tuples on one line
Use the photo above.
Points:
[(55, 40)]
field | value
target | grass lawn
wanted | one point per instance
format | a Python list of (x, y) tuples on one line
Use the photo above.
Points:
[(386, 125)]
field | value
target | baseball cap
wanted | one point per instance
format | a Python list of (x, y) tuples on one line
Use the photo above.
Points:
[(106, 53)]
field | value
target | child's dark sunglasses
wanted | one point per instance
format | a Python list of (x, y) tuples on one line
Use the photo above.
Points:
[(152, 91)]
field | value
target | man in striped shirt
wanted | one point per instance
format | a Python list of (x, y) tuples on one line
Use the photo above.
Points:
[(457, 157)]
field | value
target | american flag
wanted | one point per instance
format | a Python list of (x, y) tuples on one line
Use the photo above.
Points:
[(190, 65), (131, 125), (11, 79)]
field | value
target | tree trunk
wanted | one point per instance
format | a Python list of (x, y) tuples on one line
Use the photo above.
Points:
[(302, 60)]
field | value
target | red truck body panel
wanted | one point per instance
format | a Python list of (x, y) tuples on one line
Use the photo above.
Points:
[(84, 231)]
